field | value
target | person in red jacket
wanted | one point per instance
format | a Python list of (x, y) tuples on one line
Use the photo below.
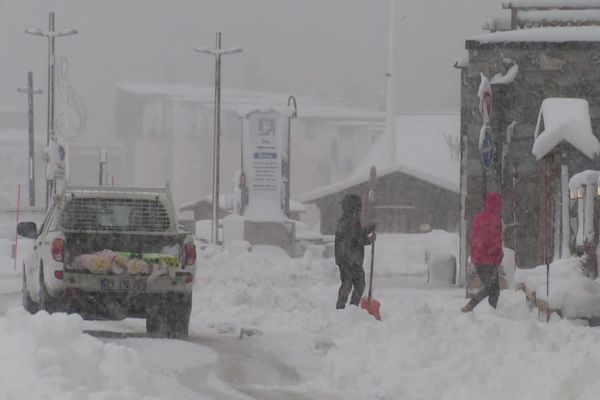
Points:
[(486, 251)]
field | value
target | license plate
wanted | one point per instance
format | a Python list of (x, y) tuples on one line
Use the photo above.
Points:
[(123, 285)]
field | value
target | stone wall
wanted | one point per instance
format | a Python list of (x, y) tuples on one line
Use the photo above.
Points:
[(570, 69)]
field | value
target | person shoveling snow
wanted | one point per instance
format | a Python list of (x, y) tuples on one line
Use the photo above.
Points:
[(350, 239)]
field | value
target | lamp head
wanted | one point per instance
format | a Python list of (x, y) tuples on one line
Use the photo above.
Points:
[(204, 50), (232, 50), (67, 32), (35, 31)]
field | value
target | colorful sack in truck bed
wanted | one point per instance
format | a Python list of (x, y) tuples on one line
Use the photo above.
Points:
[(101, 262), (105, 261)]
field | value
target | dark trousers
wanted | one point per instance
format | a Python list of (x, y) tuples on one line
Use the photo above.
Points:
[(353, 279), (490, 285)]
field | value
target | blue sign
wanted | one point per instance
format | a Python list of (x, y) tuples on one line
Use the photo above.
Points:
[(265, 156), (487, 149)]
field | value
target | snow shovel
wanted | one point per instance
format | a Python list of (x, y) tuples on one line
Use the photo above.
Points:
[(369, 303)]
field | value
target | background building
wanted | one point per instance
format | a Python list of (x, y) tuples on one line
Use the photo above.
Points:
[(417, 190), (167, 131)]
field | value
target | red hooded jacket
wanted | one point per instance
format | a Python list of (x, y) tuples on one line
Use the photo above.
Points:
[(486, 236)]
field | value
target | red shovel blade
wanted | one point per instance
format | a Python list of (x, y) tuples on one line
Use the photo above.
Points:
[(372, 307)]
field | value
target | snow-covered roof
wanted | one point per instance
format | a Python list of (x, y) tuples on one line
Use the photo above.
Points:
[(587, 177), (226, 203), (242, 101), (462, 60), (555, 16), (556, 34), (245, 111), (422, 151), (558, 4), (566, 120)]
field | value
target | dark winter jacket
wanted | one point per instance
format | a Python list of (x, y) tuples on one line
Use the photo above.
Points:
[(350, 239), (486, 236)]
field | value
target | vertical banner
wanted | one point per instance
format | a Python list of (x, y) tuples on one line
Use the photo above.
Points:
[(368, 210), (486, 143), (264, 140)]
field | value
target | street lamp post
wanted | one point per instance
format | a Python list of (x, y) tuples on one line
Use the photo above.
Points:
[(51, 35), (102, 163), (217, 53), (288, 169), (30, 91)]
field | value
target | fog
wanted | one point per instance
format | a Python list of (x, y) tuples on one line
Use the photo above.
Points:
[(336, 48)]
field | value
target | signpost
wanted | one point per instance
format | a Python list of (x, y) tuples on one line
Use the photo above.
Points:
[(487, 149), (264, 140)]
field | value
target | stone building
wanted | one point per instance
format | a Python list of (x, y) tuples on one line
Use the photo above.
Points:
[(545, 52)]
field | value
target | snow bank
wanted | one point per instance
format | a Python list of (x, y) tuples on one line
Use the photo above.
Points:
[(51, 358), (424, 348)]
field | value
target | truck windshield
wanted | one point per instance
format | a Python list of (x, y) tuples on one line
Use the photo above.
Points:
[(115, 214)]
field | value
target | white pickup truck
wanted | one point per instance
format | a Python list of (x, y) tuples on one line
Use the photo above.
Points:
[(112, 253)]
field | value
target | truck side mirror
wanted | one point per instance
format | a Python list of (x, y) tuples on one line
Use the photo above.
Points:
[(27, 229)]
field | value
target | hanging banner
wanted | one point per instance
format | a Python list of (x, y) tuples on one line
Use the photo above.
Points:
[(485, 99), (56, 160), (264, 140)]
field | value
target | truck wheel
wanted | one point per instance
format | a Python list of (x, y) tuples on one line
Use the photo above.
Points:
[(157, 323), (46, 302), (167, 319), (180, 319), (28, 304)]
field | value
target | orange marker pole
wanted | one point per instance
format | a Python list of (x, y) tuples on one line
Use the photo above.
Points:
[(16, 234)]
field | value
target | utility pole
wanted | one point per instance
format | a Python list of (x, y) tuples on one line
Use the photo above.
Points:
[(51, 35), (217, 53), (30, 91), (390, 119)]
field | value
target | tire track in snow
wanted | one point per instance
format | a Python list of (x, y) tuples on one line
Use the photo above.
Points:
[(251, 372)]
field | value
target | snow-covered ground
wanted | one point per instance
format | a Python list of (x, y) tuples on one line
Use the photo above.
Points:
[(265, 326)]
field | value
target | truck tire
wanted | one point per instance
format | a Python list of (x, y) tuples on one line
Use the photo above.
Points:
[(46, 302), (157, 317), (180, 319), (28, 304), (166, 318)]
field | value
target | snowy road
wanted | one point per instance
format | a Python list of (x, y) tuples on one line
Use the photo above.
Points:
[(221, 366)]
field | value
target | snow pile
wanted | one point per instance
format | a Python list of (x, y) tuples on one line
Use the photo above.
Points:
[(508, 77), (423, 348), (51, 358), (570, 291)]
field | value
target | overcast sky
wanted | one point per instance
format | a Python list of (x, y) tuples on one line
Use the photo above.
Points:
[(333, 48)]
